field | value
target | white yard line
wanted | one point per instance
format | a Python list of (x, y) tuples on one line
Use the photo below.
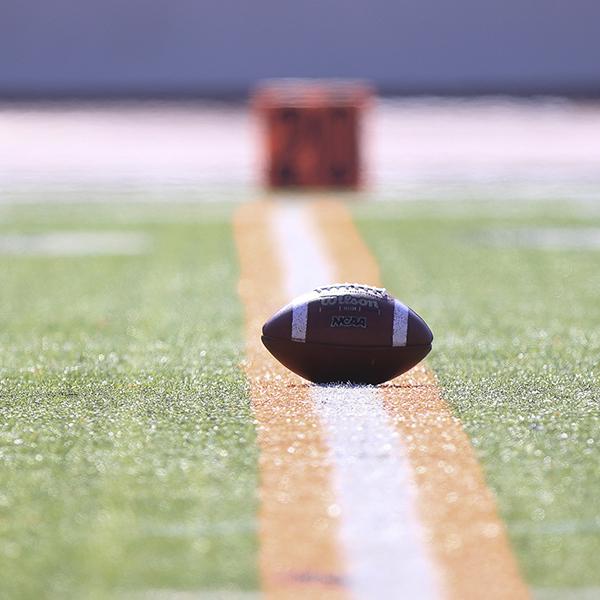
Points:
[(380, 528), (386, 553), (75, 243)]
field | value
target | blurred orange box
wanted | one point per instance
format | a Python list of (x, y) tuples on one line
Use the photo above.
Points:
[(312, 132)]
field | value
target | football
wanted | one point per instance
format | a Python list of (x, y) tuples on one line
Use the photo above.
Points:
[(347, 333)]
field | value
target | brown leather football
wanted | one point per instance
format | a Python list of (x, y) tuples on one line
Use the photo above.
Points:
[(347, 333)]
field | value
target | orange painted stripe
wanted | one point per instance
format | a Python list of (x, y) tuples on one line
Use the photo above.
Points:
[(456, 507), (298, 529)]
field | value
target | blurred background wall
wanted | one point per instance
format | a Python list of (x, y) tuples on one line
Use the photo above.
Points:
[(221, 47)]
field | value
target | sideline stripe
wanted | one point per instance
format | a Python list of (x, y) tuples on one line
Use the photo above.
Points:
[(456, 506), (380, 531), (298, 526)]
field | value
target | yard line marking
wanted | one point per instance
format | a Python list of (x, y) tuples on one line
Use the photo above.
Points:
[(377, 497), (380, 533), (469, 538), (298, 553), (303, 260), (469, 542), (456, 506)]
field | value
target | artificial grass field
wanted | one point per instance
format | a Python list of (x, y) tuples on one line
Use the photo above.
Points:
[(127, 450), (517, 353), (127, 446)]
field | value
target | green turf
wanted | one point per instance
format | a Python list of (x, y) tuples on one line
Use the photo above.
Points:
[(517, 351), (127, 450)]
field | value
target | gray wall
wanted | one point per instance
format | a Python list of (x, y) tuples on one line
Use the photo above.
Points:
[(224, 46)]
